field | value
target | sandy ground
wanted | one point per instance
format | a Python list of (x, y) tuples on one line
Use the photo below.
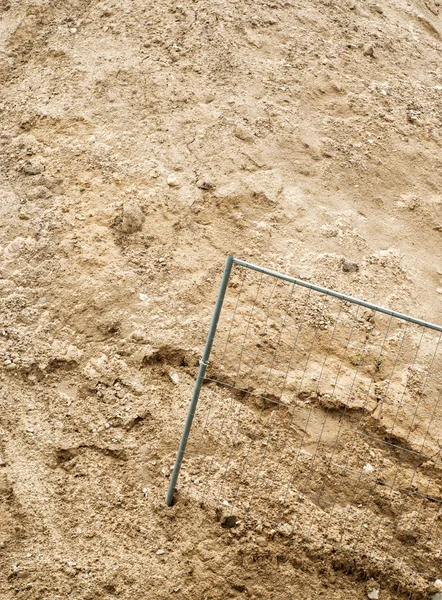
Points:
[(140, 143)]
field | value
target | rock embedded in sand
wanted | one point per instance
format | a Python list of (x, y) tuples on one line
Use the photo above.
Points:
[(172, 180), (285, 529)]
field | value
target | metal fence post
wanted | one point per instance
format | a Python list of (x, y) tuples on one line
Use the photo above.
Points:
[(199, 379)]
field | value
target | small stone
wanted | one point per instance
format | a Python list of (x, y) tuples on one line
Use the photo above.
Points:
[(175, 378), (384, 92), (144, 297), (285, 529), (160, 551), (368, 468), (73, 30), (368, 49), (350, 267), (373, 594), (172, 180), (439, 290)]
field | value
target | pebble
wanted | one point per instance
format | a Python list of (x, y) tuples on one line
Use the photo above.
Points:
[(368, 468), (160, 551), (439, 290), (73, 30), (144, 297), (172, 180), (285, 529), (373, 594)]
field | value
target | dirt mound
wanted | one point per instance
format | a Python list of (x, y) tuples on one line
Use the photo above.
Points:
[(140, 143)]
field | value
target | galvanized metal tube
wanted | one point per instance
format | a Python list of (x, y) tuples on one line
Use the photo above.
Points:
[(199, 379), (317, 288)]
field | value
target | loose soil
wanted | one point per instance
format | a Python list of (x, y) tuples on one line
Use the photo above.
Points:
[(139, 144)]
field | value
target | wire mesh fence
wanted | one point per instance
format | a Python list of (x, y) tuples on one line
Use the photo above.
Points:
[(323, 417)]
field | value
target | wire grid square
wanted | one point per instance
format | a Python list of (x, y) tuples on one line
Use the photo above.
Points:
[(324, 415)]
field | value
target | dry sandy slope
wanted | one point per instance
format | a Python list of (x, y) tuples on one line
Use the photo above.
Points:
[(300, 134)]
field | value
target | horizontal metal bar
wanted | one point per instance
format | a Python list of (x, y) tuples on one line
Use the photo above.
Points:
[(318, 288)]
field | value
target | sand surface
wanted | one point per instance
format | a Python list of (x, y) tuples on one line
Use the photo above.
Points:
[(140, 143)]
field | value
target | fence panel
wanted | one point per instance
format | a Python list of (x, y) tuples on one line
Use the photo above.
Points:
[(321, 415)]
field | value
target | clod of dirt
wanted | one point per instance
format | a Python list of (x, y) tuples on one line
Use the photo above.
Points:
[(226, 517), (368, 49), (242, 134), (32, 167), (230, 521), (350, 267), (133, 217), (205, 184)]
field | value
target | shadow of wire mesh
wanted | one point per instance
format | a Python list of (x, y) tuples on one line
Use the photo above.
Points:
[(325, 416)]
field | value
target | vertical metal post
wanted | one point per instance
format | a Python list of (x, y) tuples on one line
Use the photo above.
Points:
[(199, 379)]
